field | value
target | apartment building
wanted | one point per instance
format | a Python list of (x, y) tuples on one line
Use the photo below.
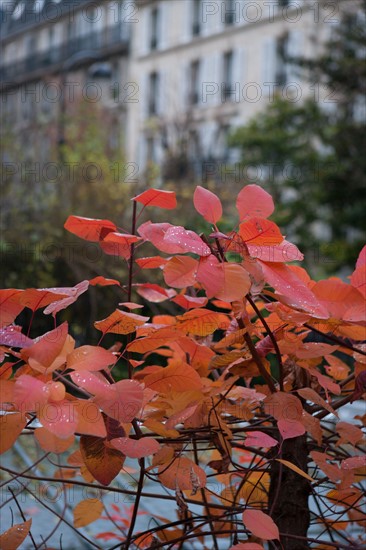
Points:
[(54, 54), (176, 76)]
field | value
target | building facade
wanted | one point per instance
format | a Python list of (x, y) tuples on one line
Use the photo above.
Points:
[(175, 76)]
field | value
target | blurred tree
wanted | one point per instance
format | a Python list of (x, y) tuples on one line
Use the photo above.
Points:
[(91, 180), (312, 156)]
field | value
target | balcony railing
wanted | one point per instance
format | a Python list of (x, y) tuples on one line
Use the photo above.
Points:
[(111, 40)]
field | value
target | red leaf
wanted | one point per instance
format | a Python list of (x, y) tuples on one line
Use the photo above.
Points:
[(361, 260), (103, 463), (207, 204), (88, 228), (157, 197), (253, 201), (118, 244), (258, 231), (10, 307), (187, 240), (136, 448), (260, 524), (180, 271)]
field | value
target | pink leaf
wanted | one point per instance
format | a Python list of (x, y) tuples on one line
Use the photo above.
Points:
[(261, 525), (207, 204), (136, 448), (188, 240), (154, 293), (353, 462), (289, 429), (155, 232), (60, 418), (30, 393), (157, 197), (211, 275), (260, 439), (72, 294), (12, 336), (294, 291), (283, 252), (90, 358), (253, 201)]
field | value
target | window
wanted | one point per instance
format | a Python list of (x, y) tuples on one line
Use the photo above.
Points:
[(197, 17), (230, 13), (281, 63), (194, 89), (154, 29), (153, 94), (228, 84)]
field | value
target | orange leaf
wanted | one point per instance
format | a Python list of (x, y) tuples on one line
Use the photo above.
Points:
[(259, 231), (261, 525), (49, 352), (35, 298), (207, 204), (13, 537), (11, 425), (152, 262), (180, 271), (253, 201), (102, 462), (179, 474), (88, 228), (50, 443), (179, 377), (236, 283), (312, 395), (102, 281), (90, 358), (157, 197), (10, 307), (87, 511), (202, 322), (295, 469), (154, 341), (337, 296), (120, 322)]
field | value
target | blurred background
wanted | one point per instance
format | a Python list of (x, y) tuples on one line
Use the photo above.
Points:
[(100, 99)]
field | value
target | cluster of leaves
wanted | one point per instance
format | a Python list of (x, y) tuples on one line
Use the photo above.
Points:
[(216, 396)]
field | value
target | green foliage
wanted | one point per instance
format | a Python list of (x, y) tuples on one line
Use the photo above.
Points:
[(311, 154)]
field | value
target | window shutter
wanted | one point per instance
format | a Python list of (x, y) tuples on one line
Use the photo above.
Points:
[(269, 60)]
